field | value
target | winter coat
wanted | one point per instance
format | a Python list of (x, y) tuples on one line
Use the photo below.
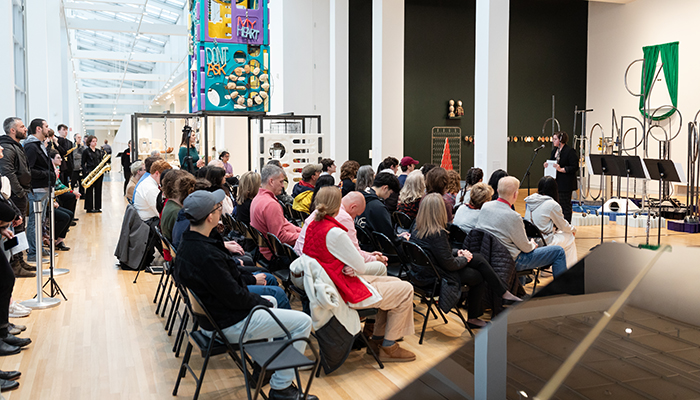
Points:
[(14, 166), (39, 163), (376, 217), (133, 239)]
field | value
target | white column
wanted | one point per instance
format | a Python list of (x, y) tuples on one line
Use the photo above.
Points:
[(340, 60), (387, 78), (491, 85), (7, 67)]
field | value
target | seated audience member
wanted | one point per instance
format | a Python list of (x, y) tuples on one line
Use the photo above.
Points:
[(266, 214), (328, 243), (283, 197), (182, 224), (217, 177), (217, 163), (146, 193), (65, 197), (426, 168), (304, 189), (323, 181), (352, 205), (494, 179), (205, 267), (467, 216), (430, 233), (248, 188), (497, 218), (348, 175), (474, 176), (376, 217), (411, 194), (137, 170), (175, 184), (224, 156), (365, 177), (390, 165), (436, 182), (408, 165), (454, 184), (160, 199), (545, 212), (328, 166)]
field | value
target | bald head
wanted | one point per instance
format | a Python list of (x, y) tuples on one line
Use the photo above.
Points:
[(354, 204), (508, 188)]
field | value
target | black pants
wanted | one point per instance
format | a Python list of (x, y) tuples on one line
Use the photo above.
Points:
[(65, 177), (93, 195), (67, 201), (477, 274), (565, 203), (21, 203), (62, 219), (7, 283), (127, 177), (76, 183)]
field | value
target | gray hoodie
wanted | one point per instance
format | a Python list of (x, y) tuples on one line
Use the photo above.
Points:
[(546, 214)]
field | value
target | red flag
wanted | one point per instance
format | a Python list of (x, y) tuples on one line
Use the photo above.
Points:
[(446, 157)]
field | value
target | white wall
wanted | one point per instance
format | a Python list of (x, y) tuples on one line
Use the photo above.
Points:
[(616, 35), (7, 71)]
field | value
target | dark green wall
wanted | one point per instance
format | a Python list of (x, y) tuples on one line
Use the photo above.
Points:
[(548, 47)]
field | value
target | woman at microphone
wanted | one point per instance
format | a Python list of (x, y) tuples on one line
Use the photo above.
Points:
[(566, 166)]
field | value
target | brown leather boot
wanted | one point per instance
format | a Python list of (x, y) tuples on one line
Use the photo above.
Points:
[(21, 272), (395, 353), (26, 266)]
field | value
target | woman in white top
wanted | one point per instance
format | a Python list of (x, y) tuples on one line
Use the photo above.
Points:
[(544, 211), (468, 214)]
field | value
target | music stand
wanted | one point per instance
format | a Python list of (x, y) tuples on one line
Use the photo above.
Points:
[(603, 164), (632, 167), (662, 171)]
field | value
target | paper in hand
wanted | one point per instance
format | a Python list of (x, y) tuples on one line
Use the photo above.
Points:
[(550, 170)]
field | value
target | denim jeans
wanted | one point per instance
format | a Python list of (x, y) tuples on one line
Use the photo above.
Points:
[(262, 326), (272, 291), (38, 195), (543, 256)]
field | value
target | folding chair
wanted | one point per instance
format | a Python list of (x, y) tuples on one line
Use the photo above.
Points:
[(261, 242), (428, 292), (165, 276), (365, 240), (533, 232), (457, 236), (397, 265), (402, 220), (282, 262)]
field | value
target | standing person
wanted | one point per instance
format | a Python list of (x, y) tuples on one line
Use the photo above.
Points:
[(126, 164), (43, 177), (107, 149), (188, 156), (566, 166), (14, 166), (64, 145), (90, 160), (78, 165)]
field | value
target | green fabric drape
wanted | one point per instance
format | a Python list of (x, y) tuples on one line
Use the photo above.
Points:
[(669, 58)]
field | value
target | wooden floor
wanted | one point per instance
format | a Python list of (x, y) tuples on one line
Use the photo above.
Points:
[(106, 342)]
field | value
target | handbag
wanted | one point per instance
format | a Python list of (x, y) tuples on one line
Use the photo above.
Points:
[(450, 293)]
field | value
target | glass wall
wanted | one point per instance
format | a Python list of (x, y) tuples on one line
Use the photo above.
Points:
[(20, 57)]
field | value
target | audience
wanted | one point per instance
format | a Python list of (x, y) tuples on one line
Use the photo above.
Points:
[(376, 217), (327, 242), (427, 167), (348, 175), (365, 177), (494, 179), (137, 169), (411, 194), (454, 184), (304, 189), (248, 188), (283, 197), (497, 218), (217, 177), (408, 165), (266, 214), (175, 184), (328, 166), (146, 193), (390, 165), (474, 176), (466, 217), (323, 181), (436, 182), (430, 233), (545, 212)]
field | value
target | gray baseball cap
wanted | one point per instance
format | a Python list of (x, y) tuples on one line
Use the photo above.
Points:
[(200, 203)]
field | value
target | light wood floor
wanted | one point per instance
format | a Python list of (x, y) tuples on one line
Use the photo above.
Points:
[(106, 342)]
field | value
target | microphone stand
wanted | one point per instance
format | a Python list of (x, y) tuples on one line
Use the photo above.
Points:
[(527, 173)]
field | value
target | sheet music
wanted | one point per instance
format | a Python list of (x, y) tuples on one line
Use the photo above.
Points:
[(550, 170)]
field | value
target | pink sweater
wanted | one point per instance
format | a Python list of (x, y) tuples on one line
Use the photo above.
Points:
[(266, 216)]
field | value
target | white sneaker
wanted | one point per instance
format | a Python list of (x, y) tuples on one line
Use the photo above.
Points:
[(21, 307), (16, 312)]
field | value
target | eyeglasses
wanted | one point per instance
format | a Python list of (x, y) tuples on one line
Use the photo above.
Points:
[(218, 207)]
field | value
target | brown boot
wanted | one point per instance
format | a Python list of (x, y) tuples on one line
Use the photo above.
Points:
[(26, 266), (395, 353), (21, 272)]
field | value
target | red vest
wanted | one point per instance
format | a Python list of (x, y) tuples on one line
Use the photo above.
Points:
[(351, 289)]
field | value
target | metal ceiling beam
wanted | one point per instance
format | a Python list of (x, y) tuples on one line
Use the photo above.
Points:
[(121, 26), (124, 56), (120, 75), (103, 117), (137, 2), (120, 101), (143, 92), (103, 7), (165, 6)]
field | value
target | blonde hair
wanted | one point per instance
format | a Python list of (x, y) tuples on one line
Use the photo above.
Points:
[(453, 181), (248, 186), (432, 217), (413, 189), (328, 201), (480, 194)]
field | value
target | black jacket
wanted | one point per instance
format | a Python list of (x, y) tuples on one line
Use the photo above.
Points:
[(204, 266), (14, 166), (90, 159), (437, 247), (568, 159), (63, 146), (39, 163), (376, 217)]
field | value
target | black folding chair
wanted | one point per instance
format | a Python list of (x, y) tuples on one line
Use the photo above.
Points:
[(402, 220), (281, 263), (397, 265), (165, 276), (533, 232), (261, 243), (365, 240), (428, 292), (457, 236)]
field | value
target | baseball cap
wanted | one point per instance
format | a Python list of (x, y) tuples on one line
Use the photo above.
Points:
[(200, 203), (310, 169), (406, 161)]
